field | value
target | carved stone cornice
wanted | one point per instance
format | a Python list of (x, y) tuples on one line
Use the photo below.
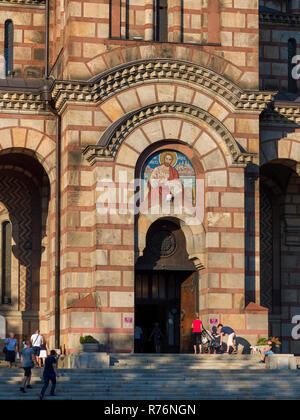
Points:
[(23, 3), (111, 140), (21, 101), (140, 72), (282, 19), (128, 75), (282, 114)]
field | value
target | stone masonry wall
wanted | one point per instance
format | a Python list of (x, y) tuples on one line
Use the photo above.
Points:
[(29, 38), (98, 250), (274, 54), (35, 135), (233, 30)]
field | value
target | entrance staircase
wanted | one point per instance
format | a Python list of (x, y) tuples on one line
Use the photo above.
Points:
[(163, 377)]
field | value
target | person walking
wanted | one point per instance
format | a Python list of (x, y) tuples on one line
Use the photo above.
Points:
[(44, 351), (27, 361), (231, 337), (197, 333), (11, 349), (36, 341), (50, 374), (138, 333), (157, 336)]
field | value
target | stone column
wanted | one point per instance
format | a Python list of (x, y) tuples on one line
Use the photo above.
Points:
[(294, 6), (213, 22), (175, 27), (149, 16)]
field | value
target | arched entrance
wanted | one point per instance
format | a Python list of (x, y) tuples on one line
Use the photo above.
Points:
[(166, 287), (24, 200), (280, 247), (169, 243)]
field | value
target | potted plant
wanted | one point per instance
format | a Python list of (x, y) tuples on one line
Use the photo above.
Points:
[(89, 344), (262, 345)]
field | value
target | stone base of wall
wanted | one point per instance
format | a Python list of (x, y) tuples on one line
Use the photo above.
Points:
[(84, 361), (281, 361)]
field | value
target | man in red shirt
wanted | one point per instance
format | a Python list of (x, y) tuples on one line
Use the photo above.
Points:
[(197, 333)]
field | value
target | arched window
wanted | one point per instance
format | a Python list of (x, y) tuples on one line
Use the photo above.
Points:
[(8, 47), (292, 51), (161, 32), (6, 262)]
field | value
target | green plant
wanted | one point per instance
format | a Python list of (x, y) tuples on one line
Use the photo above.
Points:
[(275, 340), (87, 339), (262, 341)]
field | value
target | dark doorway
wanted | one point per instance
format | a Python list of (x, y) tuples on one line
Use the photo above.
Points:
[(158, 298)]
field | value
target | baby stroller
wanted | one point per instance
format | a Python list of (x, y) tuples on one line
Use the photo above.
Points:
[(207, 340)]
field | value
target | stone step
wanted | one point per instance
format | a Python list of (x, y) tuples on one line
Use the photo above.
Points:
[(154, 388), (182, 357), (192, 395)]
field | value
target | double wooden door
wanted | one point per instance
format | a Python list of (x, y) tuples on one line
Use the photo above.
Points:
[(170, 299)]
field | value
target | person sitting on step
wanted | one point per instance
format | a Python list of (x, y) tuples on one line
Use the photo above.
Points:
[(270, 350)]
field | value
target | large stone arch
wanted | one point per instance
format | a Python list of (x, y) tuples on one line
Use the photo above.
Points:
[(279, 242), (285, 148), (31, 142), (194, 236), (120, 57), (207, 79), (25, 191), (111, 143), (141, 72)]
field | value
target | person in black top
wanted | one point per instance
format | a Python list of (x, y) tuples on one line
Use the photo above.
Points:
[(270, 350), (50, 374)]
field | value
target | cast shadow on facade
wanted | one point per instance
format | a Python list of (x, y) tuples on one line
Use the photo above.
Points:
[(25, 193), (279, 226)]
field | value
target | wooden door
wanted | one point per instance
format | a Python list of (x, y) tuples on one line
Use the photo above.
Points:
[(188, 308)]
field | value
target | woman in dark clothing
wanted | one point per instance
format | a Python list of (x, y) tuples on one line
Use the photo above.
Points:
[(157, 336)]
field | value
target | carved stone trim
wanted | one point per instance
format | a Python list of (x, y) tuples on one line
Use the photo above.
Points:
[(279, 19), (282, 114), (21, 101), (111, 140), (16, 97), (109, 83), (23, 2)]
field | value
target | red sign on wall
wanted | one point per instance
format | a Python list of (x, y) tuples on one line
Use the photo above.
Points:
[(128, 320)]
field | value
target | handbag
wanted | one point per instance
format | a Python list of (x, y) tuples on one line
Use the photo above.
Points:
[(35, 340), (5, 348)]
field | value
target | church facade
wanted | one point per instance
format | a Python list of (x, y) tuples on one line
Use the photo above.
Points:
[(149, 169)]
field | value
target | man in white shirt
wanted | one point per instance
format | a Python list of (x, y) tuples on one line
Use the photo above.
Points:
[(36, 341)]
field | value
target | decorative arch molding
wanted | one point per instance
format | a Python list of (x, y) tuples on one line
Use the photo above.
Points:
[(195, 237), (110, 142), (32, 143), (110, 82), (287, 149)]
